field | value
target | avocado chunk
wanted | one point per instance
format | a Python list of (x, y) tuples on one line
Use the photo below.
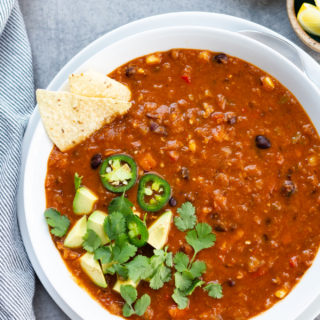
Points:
[(84, 201), (159, 230), (93, 270), (121, 282), (75, 236), (95, 223)]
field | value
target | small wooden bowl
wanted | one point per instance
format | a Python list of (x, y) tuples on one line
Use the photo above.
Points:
[(304, 37)]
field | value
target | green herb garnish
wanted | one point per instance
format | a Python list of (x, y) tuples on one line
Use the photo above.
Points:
[(59, 224), (129, 294), (214, 290), (188, 272), (120, 204), (91, 241), (187, 219)]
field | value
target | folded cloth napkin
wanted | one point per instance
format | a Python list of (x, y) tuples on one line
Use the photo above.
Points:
[(16, 104)]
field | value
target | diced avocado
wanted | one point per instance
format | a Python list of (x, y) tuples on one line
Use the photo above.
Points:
[(120, 282), (95, 223), (93, 270), (84, 201), (159, 230), (75, 236)]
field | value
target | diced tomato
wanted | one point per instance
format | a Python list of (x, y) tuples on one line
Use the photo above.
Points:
[(260, 272), (186, 78), (147, 162), (293, 262)]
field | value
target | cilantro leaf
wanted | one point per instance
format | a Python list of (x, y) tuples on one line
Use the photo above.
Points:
[(77, 181), (198, 268), (104, 254), (115, 225), (182, 281), (123, 250), (127, 311), (142, 304), (180, 299), (91, 241), (139, 268), (214, 290), (128, 293), (59, 223), (160, 276), (169, 260), (195, 283), (161, 273), (201, 238), (120, 204), (187, 218), (181, 261)]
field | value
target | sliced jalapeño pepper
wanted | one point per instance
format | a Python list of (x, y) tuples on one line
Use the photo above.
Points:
[(118, 173), (153, 192), (137, 231)]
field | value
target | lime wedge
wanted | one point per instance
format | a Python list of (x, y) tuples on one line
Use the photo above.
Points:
[(309, 18)]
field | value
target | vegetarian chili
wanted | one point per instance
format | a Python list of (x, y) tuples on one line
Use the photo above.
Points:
[(231, 140)]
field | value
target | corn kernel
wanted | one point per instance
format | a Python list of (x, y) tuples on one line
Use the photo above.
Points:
[(205, 55), (267, 83), (140, 70), (313, 161), (153, 59), (281, 293), (192, 145)]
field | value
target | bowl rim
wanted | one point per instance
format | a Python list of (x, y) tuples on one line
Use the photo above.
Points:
[(300, 32), (210, 28)]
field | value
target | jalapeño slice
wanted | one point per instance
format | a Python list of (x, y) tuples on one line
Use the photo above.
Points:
[(118, 173), (137, 231), (153, 192)]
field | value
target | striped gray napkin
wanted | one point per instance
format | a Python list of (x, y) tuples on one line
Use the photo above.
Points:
[(16, 104)]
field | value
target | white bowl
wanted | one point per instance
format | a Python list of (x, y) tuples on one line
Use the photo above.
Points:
[(109, 58)]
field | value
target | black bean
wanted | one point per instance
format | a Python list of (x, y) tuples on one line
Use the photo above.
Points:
[(268, 221), (288, 188), (231, 282), (221, 58), (96, 161), (185, 173), (172, 202), (262, 142), (156, 128), (220, 228), (265, 237), (130, 71)]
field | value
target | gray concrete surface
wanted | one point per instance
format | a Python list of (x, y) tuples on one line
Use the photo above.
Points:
[(58, 29)]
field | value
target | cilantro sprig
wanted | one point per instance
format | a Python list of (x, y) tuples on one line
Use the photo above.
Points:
[(130, 294), (188, 272), (59, 224)]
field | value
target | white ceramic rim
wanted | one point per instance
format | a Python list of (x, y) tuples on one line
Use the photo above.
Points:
[(246, 59)]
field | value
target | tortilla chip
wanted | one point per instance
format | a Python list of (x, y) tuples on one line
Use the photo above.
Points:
[(70, 119), (98, 85)]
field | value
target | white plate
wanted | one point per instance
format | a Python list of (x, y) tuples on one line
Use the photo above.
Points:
[(39, 244)]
